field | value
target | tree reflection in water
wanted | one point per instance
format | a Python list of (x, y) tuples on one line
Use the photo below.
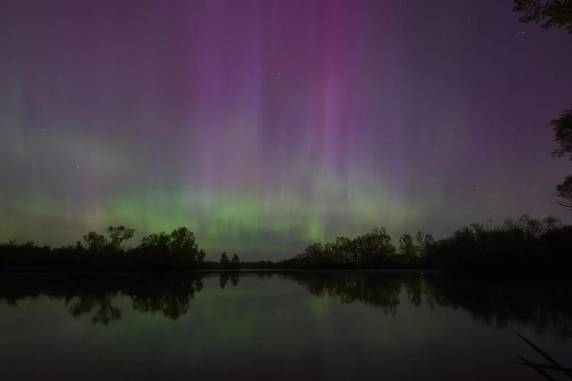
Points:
[(225, 276), (540, 305), (94, 295), (105, 312)]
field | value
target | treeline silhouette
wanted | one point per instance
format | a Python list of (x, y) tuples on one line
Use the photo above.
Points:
[(177, 250), (524, 246), (517, 247), (369, 251)]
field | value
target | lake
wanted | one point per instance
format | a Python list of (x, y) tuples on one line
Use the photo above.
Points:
[(289, 326)]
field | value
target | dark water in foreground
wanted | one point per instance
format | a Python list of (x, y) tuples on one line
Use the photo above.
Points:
[(329, 326)]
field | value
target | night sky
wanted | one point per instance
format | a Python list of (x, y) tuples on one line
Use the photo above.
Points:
[(264, 125)]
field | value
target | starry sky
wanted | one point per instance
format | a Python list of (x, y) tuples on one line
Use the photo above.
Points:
[(264, 125)]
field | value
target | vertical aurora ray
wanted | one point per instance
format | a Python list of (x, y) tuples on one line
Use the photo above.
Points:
[(264, 125)]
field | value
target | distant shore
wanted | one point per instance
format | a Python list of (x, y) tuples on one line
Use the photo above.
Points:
[(527, 247)]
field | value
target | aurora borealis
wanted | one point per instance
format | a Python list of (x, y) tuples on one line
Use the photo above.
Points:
[(264, 125)]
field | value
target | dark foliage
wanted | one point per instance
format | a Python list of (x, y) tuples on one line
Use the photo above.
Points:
[(369, 251), (562, 128), (525, 246), (235, 261), (162, 251), (565, 192), (178, 249), (554, 14), (548, 13), (522, 247), (563, 135), (224, 261)]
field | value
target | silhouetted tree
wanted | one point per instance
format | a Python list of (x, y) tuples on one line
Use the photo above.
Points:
[(373, 249), (182, 242), (531, 226), (406, 246), (343, 250), (224, 261), (179, 248), (366, 251), (565, 191), (315, 250), (156, 242), (424, 242), (235, 261), (554, 14), (548, 13), (94, 242), (563, 135), (413, 252), (515, 247), (562, 128), (201, 256), (119, 234)]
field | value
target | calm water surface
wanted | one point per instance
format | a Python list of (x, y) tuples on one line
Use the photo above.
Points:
[(297, 326)]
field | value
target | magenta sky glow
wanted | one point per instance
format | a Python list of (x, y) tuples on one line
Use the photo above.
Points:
[(264, 125)]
